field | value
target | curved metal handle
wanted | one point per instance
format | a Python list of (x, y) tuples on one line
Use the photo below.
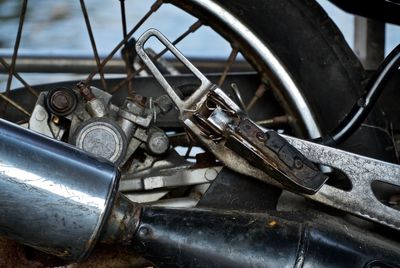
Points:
[(182, 105)]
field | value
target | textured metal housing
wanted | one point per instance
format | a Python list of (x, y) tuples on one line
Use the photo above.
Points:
[(53, 197)]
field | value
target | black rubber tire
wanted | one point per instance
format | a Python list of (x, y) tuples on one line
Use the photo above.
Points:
[(316, 55)]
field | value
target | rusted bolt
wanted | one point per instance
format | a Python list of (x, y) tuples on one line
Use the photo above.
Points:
[(61, 101), (139, 99), (85, 91)]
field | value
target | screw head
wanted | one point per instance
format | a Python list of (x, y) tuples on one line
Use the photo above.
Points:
[(61, 101)]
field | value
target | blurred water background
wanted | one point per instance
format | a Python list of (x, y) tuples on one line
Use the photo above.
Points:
[(57, 27)]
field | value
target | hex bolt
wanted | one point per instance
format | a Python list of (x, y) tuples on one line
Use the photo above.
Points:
[(61, 101)]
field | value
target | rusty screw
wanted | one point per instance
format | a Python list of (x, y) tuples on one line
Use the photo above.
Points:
[(139, 99), (61, 101), (85, 91)]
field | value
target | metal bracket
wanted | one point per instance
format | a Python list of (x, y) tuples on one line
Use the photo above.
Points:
[(362, 172)]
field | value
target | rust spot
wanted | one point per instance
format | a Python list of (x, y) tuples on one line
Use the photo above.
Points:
[(272, 224)]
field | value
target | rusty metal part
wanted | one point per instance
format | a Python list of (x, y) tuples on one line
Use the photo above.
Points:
[(213, 118), (257, 95), (277, 120), (223, 122), (122, 222), (19, 78), (85, 91), (231, 59), (274, 155), (153, 9), (139, 99), (61, 101), (15, 104)]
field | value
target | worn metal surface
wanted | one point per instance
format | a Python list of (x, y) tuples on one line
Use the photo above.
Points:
[(48, 187), (61, 101), (214, 238), (122, 222), (225, 124), (272, 154), (362, 172), (214, 118), (102, 137), (40, 120), (184, 175)]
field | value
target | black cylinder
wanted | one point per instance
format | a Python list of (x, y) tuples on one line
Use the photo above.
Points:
[(209, 238)]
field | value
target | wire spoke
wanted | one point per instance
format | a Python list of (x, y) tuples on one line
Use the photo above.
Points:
[(16, 105), (123, 18), (93, 43), (257, 95), (193, 28), (231, 59), (17, 76), (277, 120), (16, 45), (126, 52), (153, 9)]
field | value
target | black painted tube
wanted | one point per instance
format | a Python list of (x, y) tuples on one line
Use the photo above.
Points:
[(210, 238)]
